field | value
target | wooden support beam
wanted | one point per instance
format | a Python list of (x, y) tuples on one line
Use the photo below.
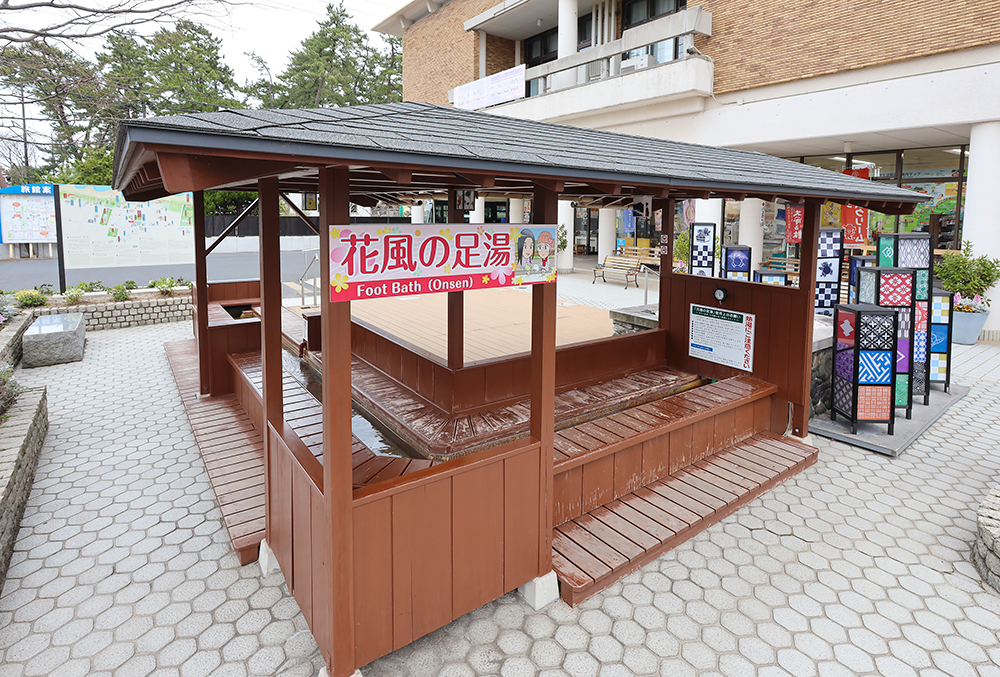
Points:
[(338, 602), (232, 226), (456, 303), (182, 173), (201, 296), (553, 185), (544, 210), (298, 212), (700, 194), (807, 295), (481, 180), (606, 188), (401, 177), (667, 206)]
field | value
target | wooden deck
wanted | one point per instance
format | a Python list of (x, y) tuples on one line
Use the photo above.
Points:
[(599, 547), (232, 449)]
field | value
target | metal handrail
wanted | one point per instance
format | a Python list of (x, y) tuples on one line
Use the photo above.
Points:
[(646, 270), (305, 274)]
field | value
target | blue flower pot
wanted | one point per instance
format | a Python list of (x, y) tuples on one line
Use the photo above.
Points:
[(968, 326)]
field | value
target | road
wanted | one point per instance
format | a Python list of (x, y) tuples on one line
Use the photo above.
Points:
[(18, 274)]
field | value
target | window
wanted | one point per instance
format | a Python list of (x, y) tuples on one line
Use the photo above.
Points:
[(584, 28), (541, 48), (639, 11)]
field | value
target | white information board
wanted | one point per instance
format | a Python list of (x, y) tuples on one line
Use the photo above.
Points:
[(494, 89), (102, 230), (27, 214), (722, 336)]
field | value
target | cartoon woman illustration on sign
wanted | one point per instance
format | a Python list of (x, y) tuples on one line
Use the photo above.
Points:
[(525, 249), (544, 247)]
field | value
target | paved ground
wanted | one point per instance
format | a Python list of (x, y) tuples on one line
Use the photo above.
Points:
[(859, 565)]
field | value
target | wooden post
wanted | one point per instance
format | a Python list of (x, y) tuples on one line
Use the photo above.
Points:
[(201, 295), (544, 210), (667, 205), (456, 304), (807, 294), (335, 211), (270, 324)]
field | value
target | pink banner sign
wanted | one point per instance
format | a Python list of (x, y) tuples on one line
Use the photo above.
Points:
[(377, 261), (795, 218)]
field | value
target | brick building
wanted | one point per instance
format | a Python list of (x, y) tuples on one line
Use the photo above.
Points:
[(908, 93)]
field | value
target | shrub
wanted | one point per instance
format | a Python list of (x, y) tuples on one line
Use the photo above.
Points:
[(130, 284), (970, 276), (9, 388), (120, 292), (74, 295), (28, 298), (8, 308), (46, 289), (97, 285), (164, 285)]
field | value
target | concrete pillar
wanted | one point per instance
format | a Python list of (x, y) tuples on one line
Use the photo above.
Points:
[(515, 210), (478, 215), (606, 232), (564, 259), (979, 226), (568, 41), (752, 230), (417, 212)]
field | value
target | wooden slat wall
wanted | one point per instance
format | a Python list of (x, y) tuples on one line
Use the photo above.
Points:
[(237, 289), (432, 546), (485, 385), (599, 481), (780, 357), (235, 338), (300, 536)]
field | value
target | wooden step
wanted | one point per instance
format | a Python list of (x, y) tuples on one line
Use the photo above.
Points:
[(597, 548)]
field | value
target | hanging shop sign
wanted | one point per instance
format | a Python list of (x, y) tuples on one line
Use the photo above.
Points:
[(722, 336), (854, 219), (378, 261), (795, 216)]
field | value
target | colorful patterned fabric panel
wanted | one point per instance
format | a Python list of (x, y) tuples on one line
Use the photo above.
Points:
[(875, 367), (874, 403)]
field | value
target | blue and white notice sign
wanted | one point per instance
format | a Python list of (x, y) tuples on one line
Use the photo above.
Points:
[(722, 336)]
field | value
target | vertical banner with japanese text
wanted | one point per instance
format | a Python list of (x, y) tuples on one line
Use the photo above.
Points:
[(854, 220), (377, 261), (795, 218)]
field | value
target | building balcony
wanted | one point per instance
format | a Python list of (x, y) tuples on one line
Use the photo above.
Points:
[(653, 64)]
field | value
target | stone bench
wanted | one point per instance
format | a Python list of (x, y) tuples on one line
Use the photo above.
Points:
[(54, 339)]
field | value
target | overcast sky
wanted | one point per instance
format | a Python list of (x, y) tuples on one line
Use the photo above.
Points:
[(273, 28)]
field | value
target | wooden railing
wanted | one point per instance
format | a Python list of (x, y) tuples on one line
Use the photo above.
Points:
[(432, 546)]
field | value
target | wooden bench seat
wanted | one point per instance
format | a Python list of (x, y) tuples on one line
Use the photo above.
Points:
[(304, 414), (649, 256), (619, 265), (603, 545)]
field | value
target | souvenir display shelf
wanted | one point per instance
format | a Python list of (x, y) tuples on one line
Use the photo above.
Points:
[(896, 288), (864, 371), (735, 262), (829, 262)]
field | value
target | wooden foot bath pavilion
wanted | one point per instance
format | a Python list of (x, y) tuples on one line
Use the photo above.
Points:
[(588, 461)]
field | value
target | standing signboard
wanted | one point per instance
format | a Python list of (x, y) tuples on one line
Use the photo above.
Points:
[(378, 261), (27, 214)]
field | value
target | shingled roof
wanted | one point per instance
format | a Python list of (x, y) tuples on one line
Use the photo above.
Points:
[(426, 136)]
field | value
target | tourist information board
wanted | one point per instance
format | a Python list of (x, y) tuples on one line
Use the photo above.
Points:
[(27, 214)]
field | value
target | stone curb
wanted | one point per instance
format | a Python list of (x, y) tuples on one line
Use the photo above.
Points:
[(22, 434), (10, 337), (118, 314)]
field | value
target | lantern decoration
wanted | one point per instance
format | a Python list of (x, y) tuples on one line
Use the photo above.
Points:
[(828, 269), (735, 262), (702, 250), (853, 263), (942, 314), (765, 276), (895, 288), (864, 371)]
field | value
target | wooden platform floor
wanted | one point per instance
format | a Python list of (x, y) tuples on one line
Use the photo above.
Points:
[(232, 449), (606, 544)]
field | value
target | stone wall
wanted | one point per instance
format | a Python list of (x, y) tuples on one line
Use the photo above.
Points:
[(819, 392), (22, 434), (986, 550), (10, 337), (118, 314)]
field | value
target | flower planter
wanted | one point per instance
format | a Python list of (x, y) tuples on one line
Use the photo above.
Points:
[(968, 326)]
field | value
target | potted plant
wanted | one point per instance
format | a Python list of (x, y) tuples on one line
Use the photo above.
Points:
[(969, 277)]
